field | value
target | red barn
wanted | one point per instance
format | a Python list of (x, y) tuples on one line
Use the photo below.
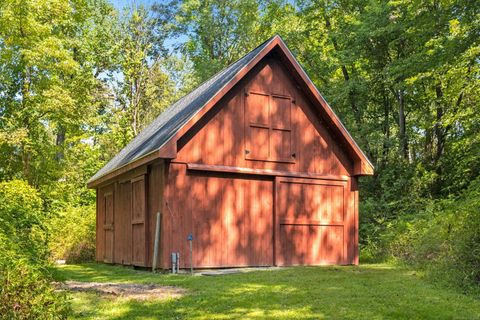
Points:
[(253, 163)]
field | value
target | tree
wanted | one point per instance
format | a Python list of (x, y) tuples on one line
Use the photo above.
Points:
[(143, 87), (218, 32), (51, 78)]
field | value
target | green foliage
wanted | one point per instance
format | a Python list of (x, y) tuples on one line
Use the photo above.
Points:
[(49, 88), (25, 289), (443, 238), (220, 32), (403, 76), (26, 292), (72, 234), (22, 219)]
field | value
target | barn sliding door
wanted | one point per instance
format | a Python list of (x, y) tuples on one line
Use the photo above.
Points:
[(310, 221), (108, 227), (230, 219), (139, 246)]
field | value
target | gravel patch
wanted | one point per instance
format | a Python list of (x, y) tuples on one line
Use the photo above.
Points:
[(127, 290)]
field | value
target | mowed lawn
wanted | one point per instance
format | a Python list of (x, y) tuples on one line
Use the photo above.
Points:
[(376, 291)]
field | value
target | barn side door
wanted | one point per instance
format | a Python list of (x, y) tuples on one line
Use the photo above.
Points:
[(310, 221), (108, 225), (139, 244)]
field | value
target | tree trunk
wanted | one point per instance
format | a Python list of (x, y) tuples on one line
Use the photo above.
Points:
[(59, 155), (402, 124), (439, 131), (386, 127)]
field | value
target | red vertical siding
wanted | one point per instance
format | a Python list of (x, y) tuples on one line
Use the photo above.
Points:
[(139, 221), (312, 224), (108, 227), (230, 219), (155, 201), (100, 234)]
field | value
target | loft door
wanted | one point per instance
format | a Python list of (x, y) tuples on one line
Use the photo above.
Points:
[(268, 127)]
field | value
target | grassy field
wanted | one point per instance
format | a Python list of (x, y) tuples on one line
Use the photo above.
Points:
[(366, 292)]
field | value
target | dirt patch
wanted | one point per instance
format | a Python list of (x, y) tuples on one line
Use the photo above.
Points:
[(127, 290)]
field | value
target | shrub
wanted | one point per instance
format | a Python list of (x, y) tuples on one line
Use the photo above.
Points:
[(25, 288), (73, 234), (26, 292), (22, 218), (443, 239)]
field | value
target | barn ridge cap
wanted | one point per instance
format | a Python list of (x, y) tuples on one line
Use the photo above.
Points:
[(155, 141)]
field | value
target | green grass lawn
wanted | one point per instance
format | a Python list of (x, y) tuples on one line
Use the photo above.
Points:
[(367, 292)]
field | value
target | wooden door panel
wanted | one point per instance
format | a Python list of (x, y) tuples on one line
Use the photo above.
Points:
[(139, 246), (310, 221), (258, 144), (281, 145), (268, 128), (280, 112), (321, 201), (307, 244), (108, 227), (100, 221), (138, 200), (123, 227), (257, 109), (232, 221)]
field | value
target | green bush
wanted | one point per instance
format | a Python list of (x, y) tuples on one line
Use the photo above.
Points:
[(22, 219), (72, 234), (26, 291), (443, 239)]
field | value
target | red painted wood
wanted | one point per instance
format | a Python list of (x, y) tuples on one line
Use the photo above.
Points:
[(354, 203), (155, 202), (108, 227), (311, 221), (100, 234), (139, 244), (262, 172), (236, 125), (230, 218), (122, 222)]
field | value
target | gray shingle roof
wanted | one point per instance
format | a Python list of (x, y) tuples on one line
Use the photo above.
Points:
[(174, 117)]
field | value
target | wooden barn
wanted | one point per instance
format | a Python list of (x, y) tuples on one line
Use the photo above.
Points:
[(254, 164)]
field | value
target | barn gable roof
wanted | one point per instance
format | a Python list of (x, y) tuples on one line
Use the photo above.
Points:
[(169, 123)]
